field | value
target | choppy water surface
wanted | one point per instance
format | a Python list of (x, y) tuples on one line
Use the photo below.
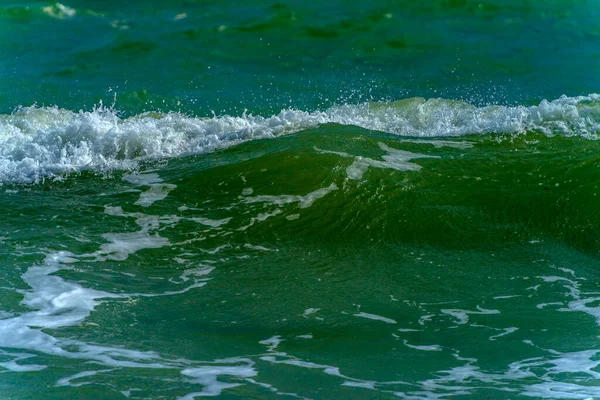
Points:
[(264, 200)]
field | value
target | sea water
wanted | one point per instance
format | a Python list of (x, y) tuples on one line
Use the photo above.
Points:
[(338, 200)]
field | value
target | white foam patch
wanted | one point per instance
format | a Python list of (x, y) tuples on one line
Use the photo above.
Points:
[(127, 393), (59, 11), (304, 201), (442, 143), (580, 302), (364, 385), (213, 223), (260, 218), (544, 305), (562, 390), (257, 247), (207, 377), (36, 143), (154, 194), (121, 245), (194, 273), (433, 347), (68, 381), (158, 191), (395, 159), (462, 316), (375, 317), (13, 364), (307, 336), (309, 311), (272, 343), (57, 303), (506, 332)]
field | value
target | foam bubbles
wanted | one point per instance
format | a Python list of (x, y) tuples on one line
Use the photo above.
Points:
[(395, 159), (157, 191), (304, 201), (462, 316), (207, 377), (38, 143), (375, 317), (59, 11)]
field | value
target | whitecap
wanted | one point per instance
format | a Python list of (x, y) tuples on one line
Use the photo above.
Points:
[(48, 142)]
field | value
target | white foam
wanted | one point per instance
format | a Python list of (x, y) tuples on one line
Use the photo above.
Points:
[(544, 305), (395, 159), (442, 143), (260, 218), (272, 343), (121, 245), (304, 201), (36, 143), (375, 317), (158, 190), (307, 336), (462, 316), (309, 311), (59, 11), (68, 381), (257, 247), (364, 385), (506, 332), (562, 390), (433, 347), (127, 393), (194, 273), (13, 364), (207, 377), (56, 303), (213, 223)]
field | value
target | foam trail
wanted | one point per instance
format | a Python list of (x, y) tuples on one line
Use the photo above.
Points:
[(158, 190), (54, 303), (38, 143), (304, 201), (207, 377)]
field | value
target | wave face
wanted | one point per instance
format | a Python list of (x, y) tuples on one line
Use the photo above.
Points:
[(38, 143)]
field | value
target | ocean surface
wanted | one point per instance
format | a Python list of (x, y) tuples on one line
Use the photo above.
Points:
[(316, 200)]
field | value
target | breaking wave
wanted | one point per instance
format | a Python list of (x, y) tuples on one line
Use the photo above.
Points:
[(48, 142)]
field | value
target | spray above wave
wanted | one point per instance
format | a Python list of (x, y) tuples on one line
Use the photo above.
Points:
[(38, 143)]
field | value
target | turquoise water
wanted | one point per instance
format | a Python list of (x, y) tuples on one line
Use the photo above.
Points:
[(346, 200)]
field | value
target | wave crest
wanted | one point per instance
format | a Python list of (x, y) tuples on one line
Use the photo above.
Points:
[(40, 142)]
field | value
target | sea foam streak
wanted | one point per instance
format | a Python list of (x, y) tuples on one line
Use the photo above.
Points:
[(36, 143)]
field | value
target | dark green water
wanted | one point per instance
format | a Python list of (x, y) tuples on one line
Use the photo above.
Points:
[(343, 200)]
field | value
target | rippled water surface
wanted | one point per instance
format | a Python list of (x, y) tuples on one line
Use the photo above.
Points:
[(342, 200)]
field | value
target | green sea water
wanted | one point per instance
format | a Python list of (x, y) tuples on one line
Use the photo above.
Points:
[(338, 200)]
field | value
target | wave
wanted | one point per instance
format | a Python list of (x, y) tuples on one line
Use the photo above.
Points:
[(48, 142)]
